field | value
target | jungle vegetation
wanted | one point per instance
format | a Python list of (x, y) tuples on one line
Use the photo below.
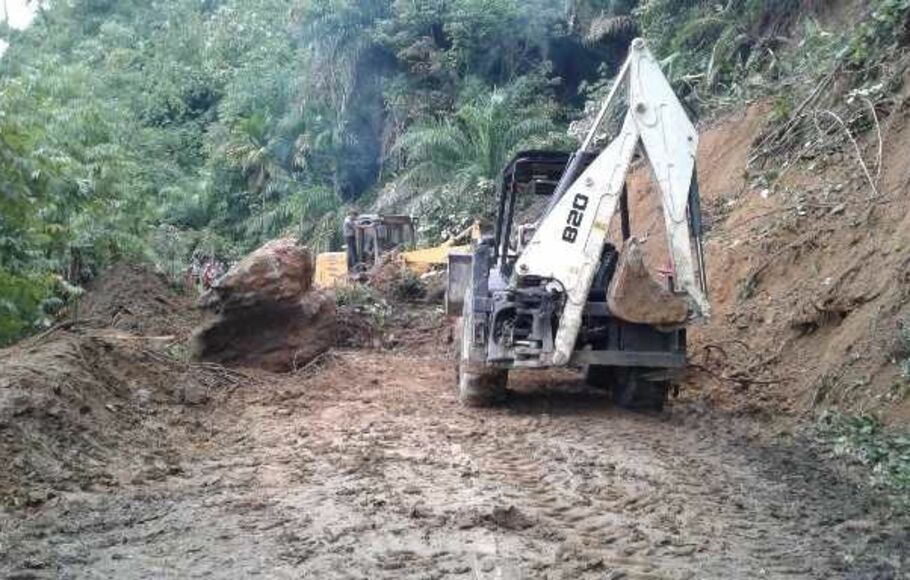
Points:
[(150, 129)]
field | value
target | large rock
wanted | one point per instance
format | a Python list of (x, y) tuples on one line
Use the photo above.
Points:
[(635, 296), (276, 337), (280, 272), (268, 314)]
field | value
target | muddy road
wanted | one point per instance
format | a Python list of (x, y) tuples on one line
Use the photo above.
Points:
[(368, 468)]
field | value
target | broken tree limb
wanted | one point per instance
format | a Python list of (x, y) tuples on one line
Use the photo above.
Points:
[(859, 154)]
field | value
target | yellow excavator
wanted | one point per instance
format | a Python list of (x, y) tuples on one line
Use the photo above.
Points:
[(376, 235)]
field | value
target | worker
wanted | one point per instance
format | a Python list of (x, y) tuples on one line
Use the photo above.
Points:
[(208, 274), (348, 229), (194, 272)]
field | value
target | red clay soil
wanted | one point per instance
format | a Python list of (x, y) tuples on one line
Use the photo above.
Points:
[(809, 278), (105, 394)]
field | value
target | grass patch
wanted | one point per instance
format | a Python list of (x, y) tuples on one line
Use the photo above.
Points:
[(884, 453), (901, 351), (366, 300)]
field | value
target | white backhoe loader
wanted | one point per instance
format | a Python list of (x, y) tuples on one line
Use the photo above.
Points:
[(556, 293)]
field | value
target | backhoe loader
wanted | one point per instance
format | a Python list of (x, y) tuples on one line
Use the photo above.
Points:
[(556, 292)]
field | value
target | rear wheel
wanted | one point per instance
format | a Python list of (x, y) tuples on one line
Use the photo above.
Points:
[(632, 390), (600, 376), (629, 388), (478, 385)]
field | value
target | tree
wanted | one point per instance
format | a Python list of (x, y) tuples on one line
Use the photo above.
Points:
[(473, 145)]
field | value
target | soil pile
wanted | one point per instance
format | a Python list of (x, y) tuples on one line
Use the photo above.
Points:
[(392, 279), (268, 313), (807, 273), (96, 406), (135, 298), (90, 409)]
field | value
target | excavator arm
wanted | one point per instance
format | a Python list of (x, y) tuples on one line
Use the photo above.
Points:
[(570, 238)]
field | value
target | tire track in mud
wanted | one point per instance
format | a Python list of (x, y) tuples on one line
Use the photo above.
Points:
[(578, 499), (647, 497), (370, 469)]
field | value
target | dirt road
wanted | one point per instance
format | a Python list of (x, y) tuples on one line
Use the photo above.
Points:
[(369, 468)]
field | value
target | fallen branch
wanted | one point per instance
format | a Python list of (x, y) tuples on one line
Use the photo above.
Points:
[(743, 382), (313, 364), (881, 141), (65, 325), (859, 155), (228, 375), (779, 135)]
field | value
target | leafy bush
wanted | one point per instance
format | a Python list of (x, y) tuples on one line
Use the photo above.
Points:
[(366, 300), (887, 25), (409, 286), (901, 350), (862, 438), (445, 212), (21, 300)]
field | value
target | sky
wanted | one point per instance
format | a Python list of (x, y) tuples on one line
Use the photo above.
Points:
[(20, 15)]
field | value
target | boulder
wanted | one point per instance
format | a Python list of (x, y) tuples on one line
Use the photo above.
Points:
[(635, 296), (276, 337), (279, 272), (267, 313)]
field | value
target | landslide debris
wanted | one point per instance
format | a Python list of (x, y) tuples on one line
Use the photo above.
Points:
[(135, 298), (268, 314), (89, 406)]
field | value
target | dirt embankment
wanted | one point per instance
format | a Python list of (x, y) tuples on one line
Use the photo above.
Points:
[(134, 298), (808, 273), (95, 405)]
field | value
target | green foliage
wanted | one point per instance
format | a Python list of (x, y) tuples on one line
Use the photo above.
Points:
[(452, 163), (887, 26), (473, 144), (728, 48), (444, 212), (366, 300), (21, 299), (901, 349), (124, 120), (409, 286), (885, 454)]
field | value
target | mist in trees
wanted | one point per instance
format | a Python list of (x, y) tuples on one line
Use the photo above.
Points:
[(153, 129), (134, 129)]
